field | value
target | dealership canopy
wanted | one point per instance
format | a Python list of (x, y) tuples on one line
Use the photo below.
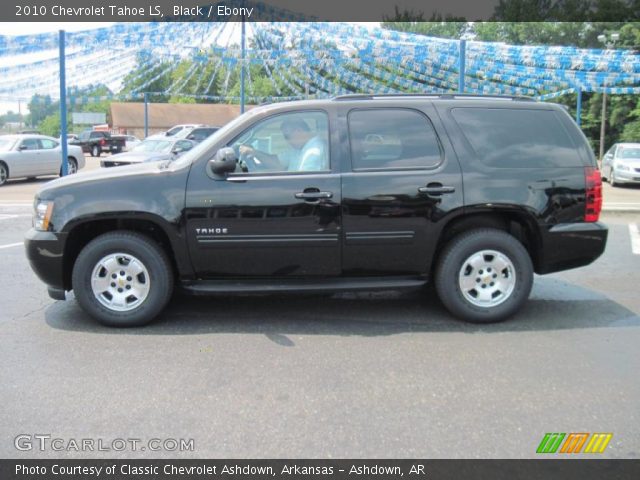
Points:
[(310, 58)]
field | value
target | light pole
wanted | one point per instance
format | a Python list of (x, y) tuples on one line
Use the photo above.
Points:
[(609, 42)]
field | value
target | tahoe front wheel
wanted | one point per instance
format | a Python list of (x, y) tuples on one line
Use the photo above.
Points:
[(484, 276), (122, 279)]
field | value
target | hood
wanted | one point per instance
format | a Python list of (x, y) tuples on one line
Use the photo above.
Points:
[(111, 174), (138, 157)]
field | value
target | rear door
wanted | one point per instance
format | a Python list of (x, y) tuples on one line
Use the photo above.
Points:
[(402, 180), (50, 156), (265, 219)]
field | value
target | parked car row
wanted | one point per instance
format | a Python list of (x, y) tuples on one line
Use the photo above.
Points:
[(165, 146), (154, 148)]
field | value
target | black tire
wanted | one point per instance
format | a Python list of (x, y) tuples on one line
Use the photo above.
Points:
[(73, 165), (4, 173), (95, 151), (612, 179), (154, 259), (453, 259)]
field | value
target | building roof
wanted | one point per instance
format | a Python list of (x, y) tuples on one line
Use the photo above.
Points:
[(165, 115)]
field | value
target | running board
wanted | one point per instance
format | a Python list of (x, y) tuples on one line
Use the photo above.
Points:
[(207, 287)]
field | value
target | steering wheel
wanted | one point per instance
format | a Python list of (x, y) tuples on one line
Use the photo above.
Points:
[(249, 163)]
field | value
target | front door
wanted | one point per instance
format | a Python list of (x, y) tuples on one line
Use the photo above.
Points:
[(279, 214), (402, 181), (28, 159)]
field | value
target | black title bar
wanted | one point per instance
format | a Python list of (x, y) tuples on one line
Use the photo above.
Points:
[(325, 10)]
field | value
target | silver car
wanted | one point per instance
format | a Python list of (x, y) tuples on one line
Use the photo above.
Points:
[(621, 164), (35, 155), (152, 149)]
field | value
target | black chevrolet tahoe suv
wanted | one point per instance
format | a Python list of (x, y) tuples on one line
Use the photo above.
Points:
[(357, 192)]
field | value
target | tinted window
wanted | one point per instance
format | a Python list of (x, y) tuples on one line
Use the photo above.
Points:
[(392, 138), (200, 134), (517, 138)]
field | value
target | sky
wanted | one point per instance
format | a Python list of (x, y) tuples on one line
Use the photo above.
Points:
[(32, 28)]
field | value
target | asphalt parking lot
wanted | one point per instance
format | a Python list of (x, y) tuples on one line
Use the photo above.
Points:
[(382, 375)]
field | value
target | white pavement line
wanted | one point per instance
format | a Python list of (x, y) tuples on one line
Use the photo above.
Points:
[(10, 245), (635, 238), (8, 216), (15, 204)]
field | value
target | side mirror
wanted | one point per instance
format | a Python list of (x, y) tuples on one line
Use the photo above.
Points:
[(224, 161), (22, 147)]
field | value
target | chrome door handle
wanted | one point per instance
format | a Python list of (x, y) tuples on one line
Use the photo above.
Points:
[(313, 195), (436, 190)]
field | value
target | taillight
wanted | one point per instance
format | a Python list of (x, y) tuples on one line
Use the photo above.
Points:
[(593, 204), (102, 141)]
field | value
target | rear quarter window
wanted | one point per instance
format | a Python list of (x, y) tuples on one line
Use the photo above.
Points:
[(392, 138), (517, 138)]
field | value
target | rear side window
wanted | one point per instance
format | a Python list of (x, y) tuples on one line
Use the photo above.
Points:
[(517, 138), (392, 139), (48, 144)]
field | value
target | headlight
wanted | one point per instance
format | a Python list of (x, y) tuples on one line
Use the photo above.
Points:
[(621, 167), (42, 215)]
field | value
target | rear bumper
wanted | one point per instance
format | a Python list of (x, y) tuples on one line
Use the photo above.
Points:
[(571, 245), (45, 254)]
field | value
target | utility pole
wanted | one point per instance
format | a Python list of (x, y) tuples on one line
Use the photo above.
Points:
[(63, 105), (609, 42), (242, 62)]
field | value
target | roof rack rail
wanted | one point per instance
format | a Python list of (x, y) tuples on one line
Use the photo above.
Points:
[(442, 96)]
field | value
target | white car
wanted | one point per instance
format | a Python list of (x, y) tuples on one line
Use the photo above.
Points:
[(130, 142), (35, 155), (621, 164), (181, 131)]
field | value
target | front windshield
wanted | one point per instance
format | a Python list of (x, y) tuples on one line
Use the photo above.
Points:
[(627, 152), (153, 146), (203, 146), (6, 144)]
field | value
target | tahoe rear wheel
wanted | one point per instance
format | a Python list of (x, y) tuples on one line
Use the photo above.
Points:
[(95, 151), (122, 279), (484, 276)]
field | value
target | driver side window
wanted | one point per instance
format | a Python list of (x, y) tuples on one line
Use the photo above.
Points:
[(290, 142)]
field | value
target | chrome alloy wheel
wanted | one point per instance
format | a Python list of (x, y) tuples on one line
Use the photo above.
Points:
[(487, 278), (120, 282)]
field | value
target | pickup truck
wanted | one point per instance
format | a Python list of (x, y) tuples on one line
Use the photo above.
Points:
[(96, 142)]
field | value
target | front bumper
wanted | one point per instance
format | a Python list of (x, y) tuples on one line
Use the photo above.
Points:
[(571, 245), (45, 254)]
